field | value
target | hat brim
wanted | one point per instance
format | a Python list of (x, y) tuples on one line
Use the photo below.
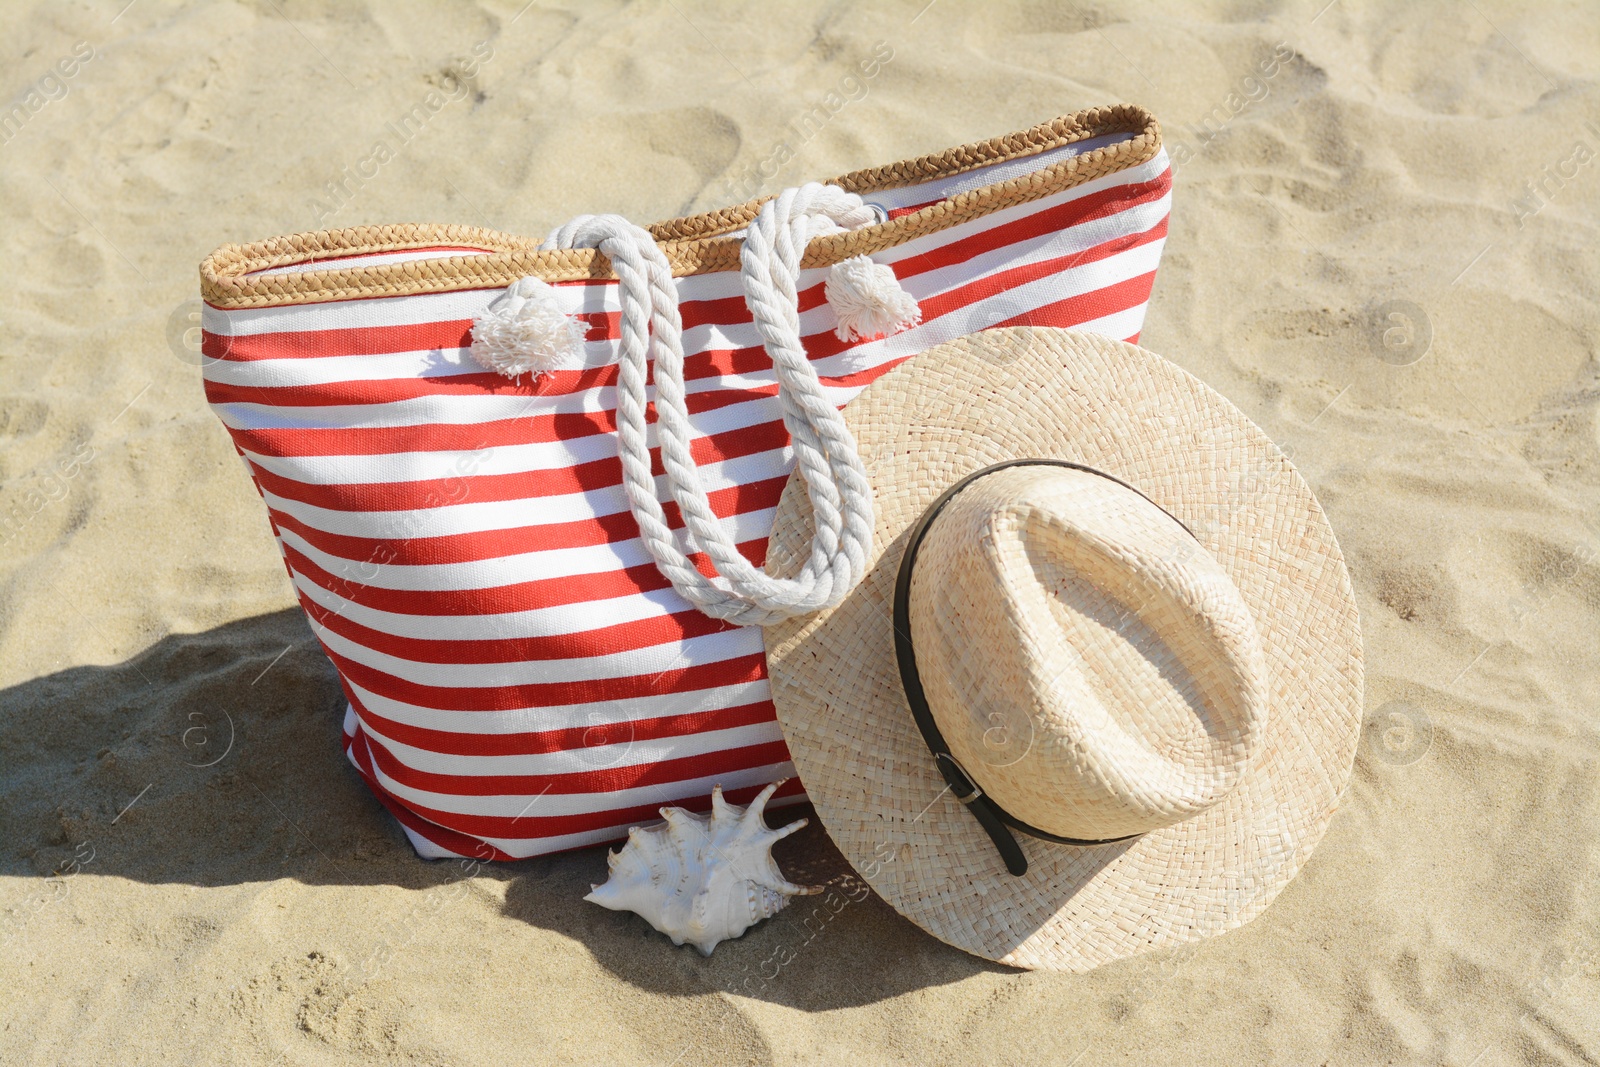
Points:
[(1025, 392)]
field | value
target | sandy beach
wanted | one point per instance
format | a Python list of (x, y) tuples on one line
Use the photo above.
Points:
[(1383, 249)]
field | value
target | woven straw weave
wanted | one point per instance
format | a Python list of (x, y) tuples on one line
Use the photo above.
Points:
[(1096, 674), (693, 245), (1019, 392)]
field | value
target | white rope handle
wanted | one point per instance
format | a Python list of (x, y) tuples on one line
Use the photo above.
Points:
[(825, 450)]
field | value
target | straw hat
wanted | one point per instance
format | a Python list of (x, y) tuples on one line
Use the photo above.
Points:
[(1111, 703)]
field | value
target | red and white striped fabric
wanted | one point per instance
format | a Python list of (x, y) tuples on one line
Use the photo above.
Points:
[(521, 679)]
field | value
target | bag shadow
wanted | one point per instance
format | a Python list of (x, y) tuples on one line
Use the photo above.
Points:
[(214, 759)]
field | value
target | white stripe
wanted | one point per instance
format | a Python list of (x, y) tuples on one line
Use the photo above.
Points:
[(488, 515), (565, 716), (556, 804), (918, 246), (1118, 327), (548, 455), (462, 466), (497, 459), (538, 622), (468, 409), (427, 849), (673, 655), (1074, 282), (352, 314), (588, 760), (319, 370), (530, 566), (327, 369), (421, 411), (585, 560), (538, 564), (455, 410)]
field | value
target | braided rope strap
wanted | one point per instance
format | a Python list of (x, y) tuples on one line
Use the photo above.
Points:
[(825, 451)]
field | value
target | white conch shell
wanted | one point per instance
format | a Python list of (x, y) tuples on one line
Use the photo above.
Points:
[(702, 879)]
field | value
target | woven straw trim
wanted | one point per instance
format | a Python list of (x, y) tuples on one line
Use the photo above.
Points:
[(1024, 687), (693, 244), (1020, 392)]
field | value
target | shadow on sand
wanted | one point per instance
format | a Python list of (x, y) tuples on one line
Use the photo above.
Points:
[(213, 759)]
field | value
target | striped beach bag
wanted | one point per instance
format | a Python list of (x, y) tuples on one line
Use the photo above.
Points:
[(523, 489)]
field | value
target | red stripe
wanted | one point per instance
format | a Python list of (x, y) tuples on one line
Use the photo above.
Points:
[(540, 742), (1070, 311), (497, 600), (494, 600), (711, 363), (415, 399), (493, 544), (637, 634), (343, 341), (457, 333), (450, 840), (1067, 312), (430, 822), (520, 485), (1075, 309), (1074, 213), (897, 212), (751, 668), (1107, 301), (602, 780), (445, 436), (301, 442)]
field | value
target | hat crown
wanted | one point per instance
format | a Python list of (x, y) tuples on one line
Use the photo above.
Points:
[(1091, 666)]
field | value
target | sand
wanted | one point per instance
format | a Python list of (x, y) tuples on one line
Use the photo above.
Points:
[(1385, 253)]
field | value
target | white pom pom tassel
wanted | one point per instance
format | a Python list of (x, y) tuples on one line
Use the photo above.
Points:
[(868, 300), (525, 332)]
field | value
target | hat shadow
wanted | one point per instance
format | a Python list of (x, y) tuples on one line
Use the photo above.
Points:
[(843, 947), (214, 759)]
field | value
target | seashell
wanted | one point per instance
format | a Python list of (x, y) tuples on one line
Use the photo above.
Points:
[(702, 879)]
